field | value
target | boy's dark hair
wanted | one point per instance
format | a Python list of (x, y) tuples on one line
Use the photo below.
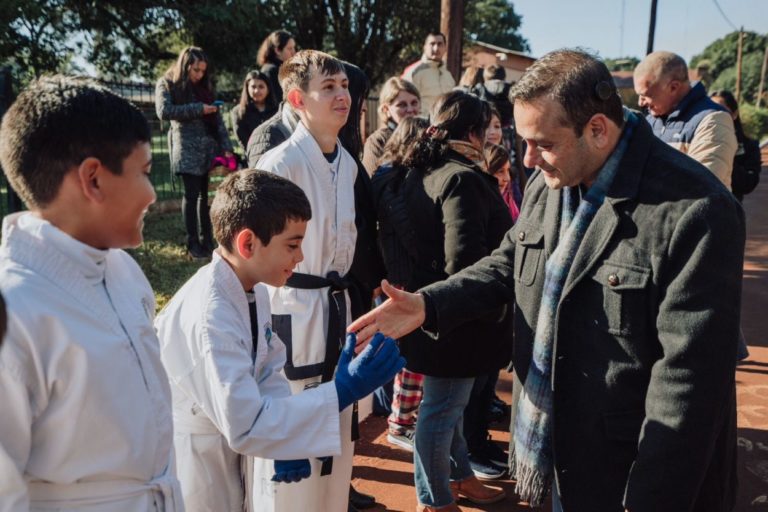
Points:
[(55, 124), (494, 72), (578, 81), (257, 200), (435, 33), (296, 72)]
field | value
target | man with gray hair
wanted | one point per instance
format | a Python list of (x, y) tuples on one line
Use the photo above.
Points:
[(682, 115), (625, 266)]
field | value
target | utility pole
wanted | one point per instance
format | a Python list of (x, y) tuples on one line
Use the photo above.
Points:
[(452, 25), (762, 78), (739, 52), (652, 27)]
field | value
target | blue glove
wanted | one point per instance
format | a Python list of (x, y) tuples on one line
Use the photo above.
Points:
[(376, 365), (290, 471)]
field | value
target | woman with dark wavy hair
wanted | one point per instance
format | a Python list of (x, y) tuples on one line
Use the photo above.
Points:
[(458, 217), (256, 105), (277, 47)]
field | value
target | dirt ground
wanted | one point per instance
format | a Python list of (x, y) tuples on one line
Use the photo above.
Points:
[(387, 472)]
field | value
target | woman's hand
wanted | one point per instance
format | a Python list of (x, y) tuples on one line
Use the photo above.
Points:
[(229, 154), (401, 313), (210, 109)]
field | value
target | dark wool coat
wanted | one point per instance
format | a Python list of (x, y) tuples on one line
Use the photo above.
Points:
[(244, 125), (646, 335), (458, 217), (190, 144)]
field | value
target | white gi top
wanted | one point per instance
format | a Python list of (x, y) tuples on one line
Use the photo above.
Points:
[(229, 401), (86, 404), (329, 243)]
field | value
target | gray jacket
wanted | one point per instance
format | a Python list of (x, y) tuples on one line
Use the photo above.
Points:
[(190, 145)]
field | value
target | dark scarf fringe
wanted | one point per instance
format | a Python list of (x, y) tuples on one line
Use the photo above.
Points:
[(532, 486)]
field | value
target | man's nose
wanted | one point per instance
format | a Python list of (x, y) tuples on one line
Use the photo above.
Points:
[(532, 157)]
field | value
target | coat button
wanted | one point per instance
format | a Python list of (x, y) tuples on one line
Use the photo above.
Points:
[(521, 236), (613, 280)]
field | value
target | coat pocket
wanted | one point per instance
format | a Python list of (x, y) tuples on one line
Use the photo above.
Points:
[(528, 255), (624, 296)]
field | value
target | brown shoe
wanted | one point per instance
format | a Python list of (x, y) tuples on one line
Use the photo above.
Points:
[(453, 507), (476, 492)]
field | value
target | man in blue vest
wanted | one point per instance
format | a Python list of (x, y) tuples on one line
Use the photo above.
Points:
[(681, 114)]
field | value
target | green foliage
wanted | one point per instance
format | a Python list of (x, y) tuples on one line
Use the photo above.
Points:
[(142, 37), (720, 57), (494, 22), (163, 255), (754, 121)]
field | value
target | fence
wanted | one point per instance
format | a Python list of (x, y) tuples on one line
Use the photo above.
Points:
[(142, 95)]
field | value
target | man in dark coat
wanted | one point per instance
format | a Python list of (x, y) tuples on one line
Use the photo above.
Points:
[(645, 328)]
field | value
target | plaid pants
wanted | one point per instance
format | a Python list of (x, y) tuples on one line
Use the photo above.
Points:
[(406, 397)]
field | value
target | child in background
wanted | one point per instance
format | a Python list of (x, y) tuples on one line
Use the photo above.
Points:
[(86, 403), (257, 104)]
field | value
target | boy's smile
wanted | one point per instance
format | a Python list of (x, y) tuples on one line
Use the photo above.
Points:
[(273, 263)]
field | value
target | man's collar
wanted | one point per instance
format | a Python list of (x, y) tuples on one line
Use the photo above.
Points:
[(694, 94), (436, 63)]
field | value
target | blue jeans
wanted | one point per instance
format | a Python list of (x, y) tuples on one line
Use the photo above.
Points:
[(440, 452)]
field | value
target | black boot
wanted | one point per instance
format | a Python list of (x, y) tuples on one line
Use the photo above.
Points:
[(206, 230), (196, 250)]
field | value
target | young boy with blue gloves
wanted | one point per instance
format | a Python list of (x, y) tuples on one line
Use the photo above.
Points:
[(230, 400)]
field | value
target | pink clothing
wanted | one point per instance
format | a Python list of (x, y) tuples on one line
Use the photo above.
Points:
[(509, 198)]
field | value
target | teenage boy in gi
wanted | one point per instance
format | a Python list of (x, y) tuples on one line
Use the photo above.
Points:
[(86, 403), (224, 360), (310, 313)]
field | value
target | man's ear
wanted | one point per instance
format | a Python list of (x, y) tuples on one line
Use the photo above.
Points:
[(296, 99), (246, 243), (89, 175), (597, 130)]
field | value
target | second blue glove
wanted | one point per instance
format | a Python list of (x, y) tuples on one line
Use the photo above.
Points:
[(290, 471)]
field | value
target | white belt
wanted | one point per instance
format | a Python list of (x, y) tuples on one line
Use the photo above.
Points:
[(79, 494)]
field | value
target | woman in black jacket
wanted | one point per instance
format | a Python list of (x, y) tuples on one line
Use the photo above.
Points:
[(257, 104), (458, 217), (278, 47)]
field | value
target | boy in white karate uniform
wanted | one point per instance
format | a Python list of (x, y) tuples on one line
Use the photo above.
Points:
[(230, 401), (86, 403)]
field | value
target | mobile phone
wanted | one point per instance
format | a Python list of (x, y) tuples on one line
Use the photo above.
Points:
[(217, 103)]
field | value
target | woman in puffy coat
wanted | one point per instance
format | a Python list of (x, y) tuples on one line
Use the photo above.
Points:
[(458, 217), (185, 97)]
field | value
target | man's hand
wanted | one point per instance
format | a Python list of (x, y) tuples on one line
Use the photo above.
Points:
[(361, 376), (401, 314), (290, 471)]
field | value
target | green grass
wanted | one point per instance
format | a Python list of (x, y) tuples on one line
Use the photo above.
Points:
[(163, 255)]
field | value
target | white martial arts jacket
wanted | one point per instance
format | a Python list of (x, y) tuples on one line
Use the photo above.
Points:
[(301, 316), (86, 407), (229, 400)]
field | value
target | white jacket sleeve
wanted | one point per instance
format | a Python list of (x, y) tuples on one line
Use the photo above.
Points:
[(17, 397), (243, 407)]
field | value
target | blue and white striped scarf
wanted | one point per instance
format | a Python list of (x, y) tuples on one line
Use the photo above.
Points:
[(533, 426)]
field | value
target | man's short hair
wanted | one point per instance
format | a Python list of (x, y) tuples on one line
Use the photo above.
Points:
[(662, 64), (435, 34), (257, 200), (296, 72), (578, 81), (494, 72), (55, 124)]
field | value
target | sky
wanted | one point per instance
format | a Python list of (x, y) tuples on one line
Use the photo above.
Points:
[(685, 27)]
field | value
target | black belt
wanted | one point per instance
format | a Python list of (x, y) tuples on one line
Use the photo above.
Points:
[(335, 336)]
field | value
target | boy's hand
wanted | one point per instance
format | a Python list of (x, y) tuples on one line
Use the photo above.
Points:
[(378, 363), (290, 471), (210, 109)]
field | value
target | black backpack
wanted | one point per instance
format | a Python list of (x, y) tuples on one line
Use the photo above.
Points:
[(397, 238), (746, 167)]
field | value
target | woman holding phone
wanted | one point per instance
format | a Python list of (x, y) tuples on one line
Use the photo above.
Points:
[(184, 95)]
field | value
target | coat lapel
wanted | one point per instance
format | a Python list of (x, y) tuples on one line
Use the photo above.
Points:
[(606, 220)]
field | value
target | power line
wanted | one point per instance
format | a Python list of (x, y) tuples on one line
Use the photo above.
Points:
[(724, 16)]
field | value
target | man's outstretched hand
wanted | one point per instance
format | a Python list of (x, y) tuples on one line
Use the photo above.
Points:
[(377, 364), (401, 313)]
